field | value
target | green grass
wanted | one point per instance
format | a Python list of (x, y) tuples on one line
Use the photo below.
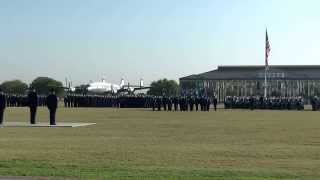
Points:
[(141, 144)]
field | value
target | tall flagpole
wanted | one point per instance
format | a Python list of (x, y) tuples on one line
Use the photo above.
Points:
[(267, 51), (265, 82), (265, 67)]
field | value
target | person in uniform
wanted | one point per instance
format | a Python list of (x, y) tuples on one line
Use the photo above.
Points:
[(2, 105), (175, 102), (313, 103), (191, 103), (65, 100), (197, 102), (164, 103), (154, 103), (251, 103), (52, 104), (33, 104), (159, 102), (208, 103), (202, 103), (169, 104), (181, 103), (215, 102)]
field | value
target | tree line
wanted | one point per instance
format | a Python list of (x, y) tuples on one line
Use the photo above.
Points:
[(43, 85)]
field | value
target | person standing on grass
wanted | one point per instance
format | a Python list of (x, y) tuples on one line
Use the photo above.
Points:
[(154, 103), (159, 102), (52, 104), (208, 103), (170, 104), (176, 103), (215, 102), (33, 104), (2, 105), (251, 103)]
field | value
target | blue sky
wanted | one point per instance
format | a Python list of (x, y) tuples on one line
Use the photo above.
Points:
[(89, 39)]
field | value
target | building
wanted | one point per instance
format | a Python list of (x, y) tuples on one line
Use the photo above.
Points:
[(282, 80)]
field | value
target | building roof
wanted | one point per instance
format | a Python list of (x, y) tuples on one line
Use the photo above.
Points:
[(289, 72)]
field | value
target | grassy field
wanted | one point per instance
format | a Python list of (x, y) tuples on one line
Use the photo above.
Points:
[(141, 144)]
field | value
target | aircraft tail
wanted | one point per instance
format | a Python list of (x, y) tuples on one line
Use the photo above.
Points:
[(141, 83), (122, 83)]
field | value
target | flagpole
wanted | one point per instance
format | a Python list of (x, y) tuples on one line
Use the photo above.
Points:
[(267, 51), (265, 82)]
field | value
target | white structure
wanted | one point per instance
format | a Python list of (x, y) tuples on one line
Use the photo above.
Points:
[(141, 83), (103, 86)]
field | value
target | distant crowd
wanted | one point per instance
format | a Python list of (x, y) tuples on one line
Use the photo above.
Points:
[(183, 103), (13, 100), (259, 102), (157, 103), (125, 101), (169, 103)]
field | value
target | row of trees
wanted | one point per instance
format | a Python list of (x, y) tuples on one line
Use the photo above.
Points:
[(164, 87), (44, 84)]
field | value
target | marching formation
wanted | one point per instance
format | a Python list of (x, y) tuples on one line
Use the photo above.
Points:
[(258, 102)]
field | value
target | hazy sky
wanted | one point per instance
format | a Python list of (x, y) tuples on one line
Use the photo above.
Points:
[(88, 39)]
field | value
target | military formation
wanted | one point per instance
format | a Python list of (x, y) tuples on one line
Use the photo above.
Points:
[(259, 102), (116, 101), (13, 100), (182, 103), (2, 105), (32, 100), (157, 103)]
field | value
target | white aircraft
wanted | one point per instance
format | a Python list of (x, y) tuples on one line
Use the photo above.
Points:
[(103, 86)]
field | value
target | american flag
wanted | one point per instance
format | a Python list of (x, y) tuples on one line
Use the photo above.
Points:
[(268, 49)]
